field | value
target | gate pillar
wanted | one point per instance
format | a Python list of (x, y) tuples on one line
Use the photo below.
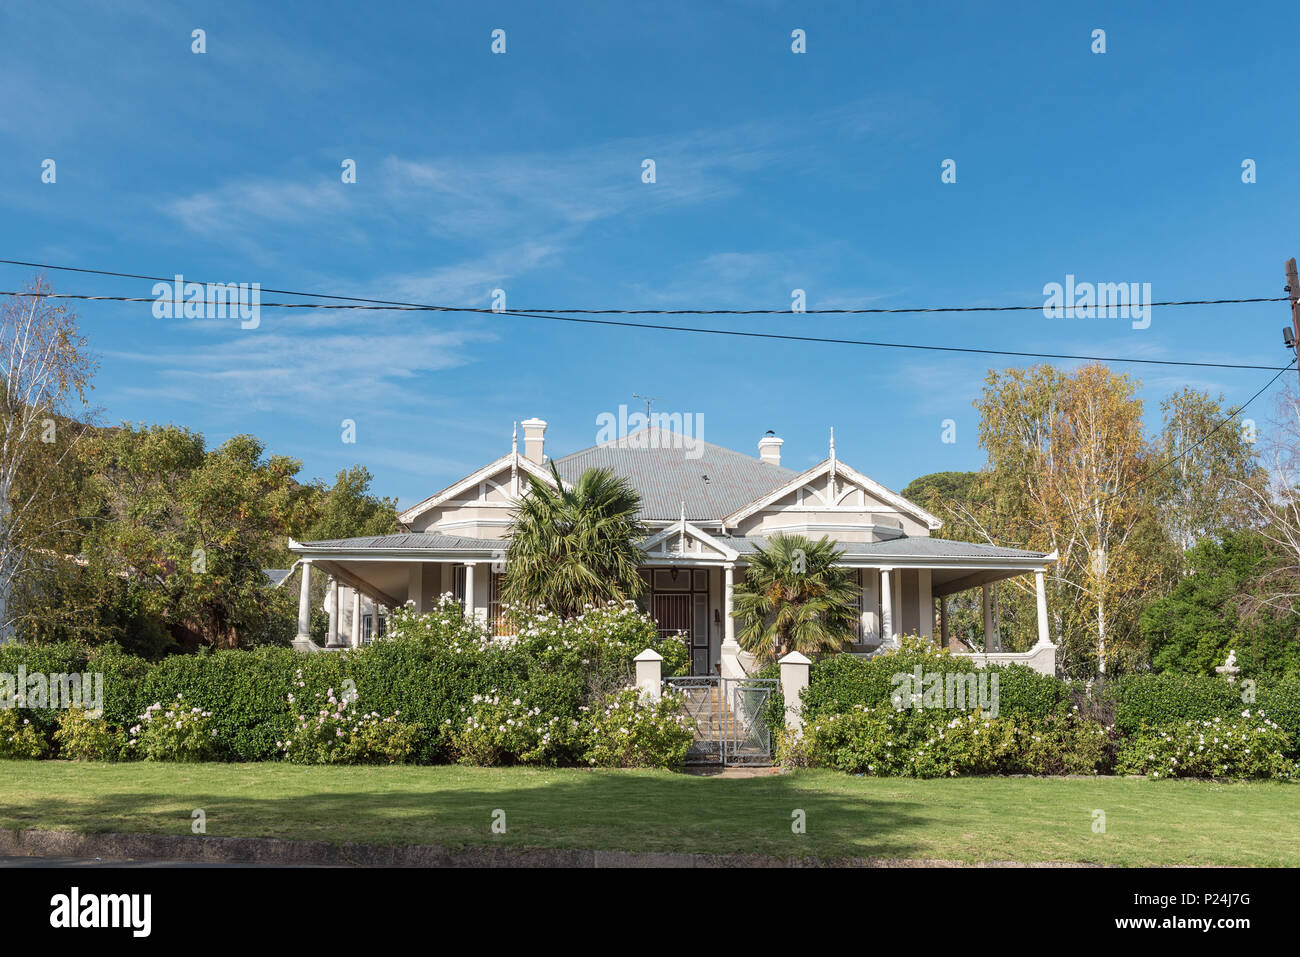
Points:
[(794, 679)]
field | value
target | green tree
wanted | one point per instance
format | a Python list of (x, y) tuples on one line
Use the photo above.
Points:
[(1067, 463), (571, 547), (1208, 613), (193, 530), (348, 509), (1209, 472), (45, 373), (795, 598)]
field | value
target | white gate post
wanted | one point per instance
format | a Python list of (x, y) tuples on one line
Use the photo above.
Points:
[(794, 679), (649, 674)]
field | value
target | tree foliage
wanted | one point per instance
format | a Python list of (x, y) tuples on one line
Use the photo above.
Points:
[(1209, 472), (796, 598), (1208, 613), (194, 529), (575, 546), (45, 375)]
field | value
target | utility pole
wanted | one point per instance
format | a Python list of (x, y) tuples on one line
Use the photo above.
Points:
[(1293, 293)]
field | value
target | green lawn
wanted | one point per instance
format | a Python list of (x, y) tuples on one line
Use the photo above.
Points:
[(969, 819)]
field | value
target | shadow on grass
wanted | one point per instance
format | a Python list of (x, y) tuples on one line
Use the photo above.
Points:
[(575, 809)]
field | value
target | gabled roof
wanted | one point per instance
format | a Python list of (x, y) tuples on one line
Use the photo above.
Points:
[(469, 481), (797, 482), (712, 481)]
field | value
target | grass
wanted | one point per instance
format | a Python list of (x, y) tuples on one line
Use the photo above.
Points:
[(966, 819)]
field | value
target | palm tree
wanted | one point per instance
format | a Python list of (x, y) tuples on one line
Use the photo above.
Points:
[(795, 598), (573, 547)]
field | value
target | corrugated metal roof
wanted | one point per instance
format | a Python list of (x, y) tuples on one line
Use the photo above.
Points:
[(918, 546), (945, 548), (714, 483), (275, 575), (911, 546), (412, 541)]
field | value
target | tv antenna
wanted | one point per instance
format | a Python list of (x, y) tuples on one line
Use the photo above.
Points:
[(647, 399)]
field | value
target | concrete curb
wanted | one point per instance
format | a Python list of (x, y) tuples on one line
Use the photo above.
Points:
[(275, 851)]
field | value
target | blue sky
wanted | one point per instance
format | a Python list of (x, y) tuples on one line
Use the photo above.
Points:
[(522, 171)]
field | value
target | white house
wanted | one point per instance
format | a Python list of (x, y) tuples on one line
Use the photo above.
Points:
[(708, 509)]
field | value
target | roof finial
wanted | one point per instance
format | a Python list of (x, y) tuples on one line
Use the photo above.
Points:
[(832, 476), (514, 461), (683, 540)]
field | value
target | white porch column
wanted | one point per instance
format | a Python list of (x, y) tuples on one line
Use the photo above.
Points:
[(471, 612), (1040, 587), (886, 606), (304, 603), (992, 641), (333, 609), (925, 604), (730, 647), (870, 620), (356, 619)]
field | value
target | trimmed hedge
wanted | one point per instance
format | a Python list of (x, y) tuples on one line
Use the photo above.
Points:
[(1129, 708), (430, 675), (1149, 700), (428, 672), (840, 683)]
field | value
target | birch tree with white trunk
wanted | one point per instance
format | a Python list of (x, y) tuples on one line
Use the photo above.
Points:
[(45, 373)]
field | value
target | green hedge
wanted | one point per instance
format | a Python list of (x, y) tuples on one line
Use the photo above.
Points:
[(432, 683), (1280, 700), (62, 658), (1150, 700), (842, 682), (428, 672)]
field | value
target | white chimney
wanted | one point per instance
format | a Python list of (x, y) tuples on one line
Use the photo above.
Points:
[(534, 439), (769, 449)]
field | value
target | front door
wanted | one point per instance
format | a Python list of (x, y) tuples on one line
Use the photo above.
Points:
[(679, 604)]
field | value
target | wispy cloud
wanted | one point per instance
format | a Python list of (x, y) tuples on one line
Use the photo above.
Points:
[(511, 213), (375, 362)]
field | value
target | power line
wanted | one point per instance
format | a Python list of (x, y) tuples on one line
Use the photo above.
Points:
[(1177, 458), (1209, 435), (741, 333), (640, 312)]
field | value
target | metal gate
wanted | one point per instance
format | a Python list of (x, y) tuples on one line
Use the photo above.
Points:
[(726, 715)]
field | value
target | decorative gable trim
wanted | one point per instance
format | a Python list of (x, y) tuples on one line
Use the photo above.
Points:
[(834, 469), (513, 461), (657, 545)]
